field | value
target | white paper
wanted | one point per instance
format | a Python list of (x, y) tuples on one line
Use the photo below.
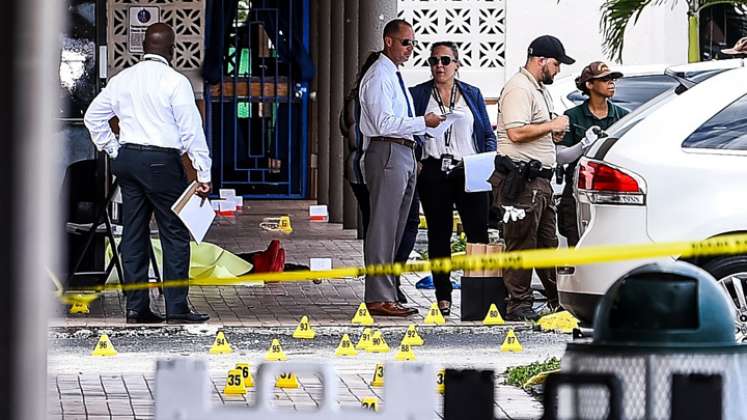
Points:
[(438, 132), (477, 170), (319, 264), (196, 217), (227, 192)]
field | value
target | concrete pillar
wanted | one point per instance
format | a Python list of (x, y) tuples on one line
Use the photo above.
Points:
[(349, 204), (323, 99), (372, 16), (337, 92), (314, 104)]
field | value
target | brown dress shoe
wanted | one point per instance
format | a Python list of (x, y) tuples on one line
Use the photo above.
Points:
[(389, 309)]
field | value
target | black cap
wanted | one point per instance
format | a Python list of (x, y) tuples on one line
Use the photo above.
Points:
[(549, 47)]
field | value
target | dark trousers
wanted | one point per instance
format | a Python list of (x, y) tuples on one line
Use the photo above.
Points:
[(439, 194), (411, 228), (151, 181), (567, 220), (536, 230)]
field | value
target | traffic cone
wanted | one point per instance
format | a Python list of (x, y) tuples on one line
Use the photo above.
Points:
[(220, 345), (378, 377), (441, 381), (370, 403), (275, 352), (511, 343), (412, 337), (362, 316), (304, 330), (365, 341), (434, 316), (104, 347), (287, 380), (404, 353), (246, 374), (234, 383), (378, 344), (346, 347), (493, 317), (79, 308)]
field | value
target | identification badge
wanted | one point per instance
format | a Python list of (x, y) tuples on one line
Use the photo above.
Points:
[(446, 161)]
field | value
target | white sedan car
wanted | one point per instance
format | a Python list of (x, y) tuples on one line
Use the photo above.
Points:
[(675, 169)]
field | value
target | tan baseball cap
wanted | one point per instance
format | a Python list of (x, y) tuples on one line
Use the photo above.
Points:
[(739, 48), (596, 70)]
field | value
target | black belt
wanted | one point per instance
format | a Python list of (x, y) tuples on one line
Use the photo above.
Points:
[(504, 164), (149, 148), (404, 142)]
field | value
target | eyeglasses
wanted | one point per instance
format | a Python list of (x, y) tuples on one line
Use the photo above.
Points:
[(444, 59), (406, 42)]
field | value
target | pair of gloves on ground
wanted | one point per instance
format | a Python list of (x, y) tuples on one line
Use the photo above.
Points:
[(565, 155)]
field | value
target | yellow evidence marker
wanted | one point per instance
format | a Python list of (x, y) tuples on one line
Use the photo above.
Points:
[(346, 347), (378, 344), (412, 337), (220, 345), (378, 376), (434, 316), (441, 381), (404, 353), (370, 403), (362, 316), (287, 380), (365, 341), (284, 224), (234, 383), (493, 317), (79, 308), (275, 352), (104, 347), (304, 330), (511, 343), (246, 374)]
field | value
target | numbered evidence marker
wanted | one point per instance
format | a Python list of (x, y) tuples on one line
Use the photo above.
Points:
[(412, 337), (304, 330), (441, 381), (104, 347), (404, 353), (493, 317), (370, 403), (346, 347), (378, 376), (378, 344), (511, 343), (434, 316), (220, 345), (275, 352), (362, 316), (235, 383), (287, 380), (246, 374), (365, 341)]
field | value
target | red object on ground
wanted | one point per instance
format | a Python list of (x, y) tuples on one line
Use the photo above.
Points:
[(271, 260)]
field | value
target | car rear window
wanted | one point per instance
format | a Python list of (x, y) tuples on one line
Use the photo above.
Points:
[(727, 130)]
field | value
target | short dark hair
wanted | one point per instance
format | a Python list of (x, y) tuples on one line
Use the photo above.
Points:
[(448, 44), (393, 27)]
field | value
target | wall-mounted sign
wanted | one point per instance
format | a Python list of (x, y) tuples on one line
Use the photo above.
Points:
[(140, 18)]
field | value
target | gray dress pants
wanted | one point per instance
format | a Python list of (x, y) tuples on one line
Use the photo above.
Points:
[(390, 177)]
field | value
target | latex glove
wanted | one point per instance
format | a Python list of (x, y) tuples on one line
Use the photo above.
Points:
[(512, 214), (591, 135)]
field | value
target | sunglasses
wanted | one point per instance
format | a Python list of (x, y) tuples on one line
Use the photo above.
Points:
[(406, 42), (606, 79), (444, 59)]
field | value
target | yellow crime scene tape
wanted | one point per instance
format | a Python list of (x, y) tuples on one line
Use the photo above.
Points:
[(537, 258)]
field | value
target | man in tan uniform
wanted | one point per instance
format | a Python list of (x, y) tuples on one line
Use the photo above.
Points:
[(527, 131)]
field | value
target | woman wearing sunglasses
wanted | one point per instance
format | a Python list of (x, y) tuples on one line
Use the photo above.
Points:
[(441, 180)]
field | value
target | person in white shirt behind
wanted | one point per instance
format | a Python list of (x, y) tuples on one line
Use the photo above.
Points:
[(388, 120), (158, 121)]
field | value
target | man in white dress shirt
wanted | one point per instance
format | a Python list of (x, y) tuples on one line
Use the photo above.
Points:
[(388, 120), (158, 121)]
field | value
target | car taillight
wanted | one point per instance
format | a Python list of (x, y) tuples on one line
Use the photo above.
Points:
[(606, 184)]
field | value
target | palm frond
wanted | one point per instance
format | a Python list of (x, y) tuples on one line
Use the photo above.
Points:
[(616, 16)]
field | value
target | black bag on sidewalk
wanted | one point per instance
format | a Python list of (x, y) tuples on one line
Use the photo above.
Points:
[(481, 288)]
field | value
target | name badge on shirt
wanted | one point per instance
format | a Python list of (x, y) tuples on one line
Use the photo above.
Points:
[(446, 163)]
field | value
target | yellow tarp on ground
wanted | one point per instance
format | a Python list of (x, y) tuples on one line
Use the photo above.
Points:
[(208, 261)]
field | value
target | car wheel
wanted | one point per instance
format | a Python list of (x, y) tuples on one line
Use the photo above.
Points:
[(731, 274)]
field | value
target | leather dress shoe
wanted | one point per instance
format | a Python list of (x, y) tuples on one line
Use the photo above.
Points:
[(187, 318), (147, 317), (445, 307), (390, 309)]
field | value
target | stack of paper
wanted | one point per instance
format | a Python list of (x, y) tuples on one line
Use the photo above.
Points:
[(196, 213)]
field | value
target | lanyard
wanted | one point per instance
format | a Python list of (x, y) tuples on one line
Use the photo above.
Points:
[(440, 102)]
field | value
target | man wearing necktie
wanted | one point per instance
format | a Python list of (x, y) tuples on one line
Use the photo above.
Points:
[(388, 121)]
